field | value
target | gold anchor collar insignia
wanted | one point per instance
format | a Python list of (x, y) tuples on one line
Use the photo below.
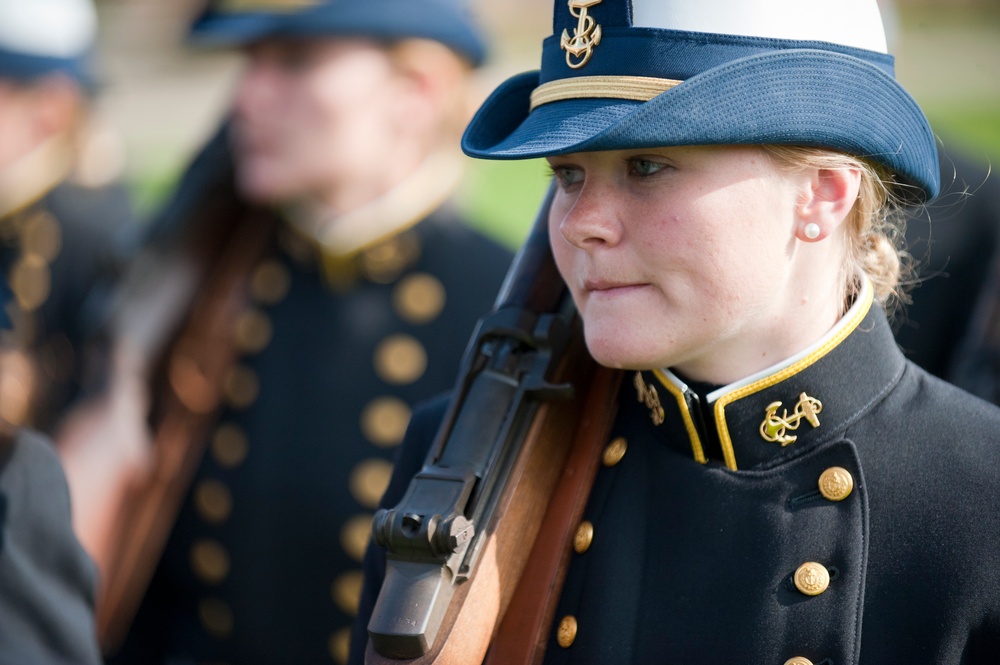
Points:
[(586, 36), (647, 395), (775, 428)]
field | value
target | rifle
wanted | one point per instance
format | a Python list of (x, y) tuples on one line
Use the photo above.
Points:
[(458, 542)]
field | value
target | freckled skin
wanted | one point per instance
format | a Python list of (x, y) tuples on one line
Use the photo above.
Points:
[(687, 257)]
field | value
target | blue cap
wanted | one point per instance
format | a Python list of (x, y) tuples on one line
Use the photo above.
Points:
[(41, 37), (237, 22), (619, 74)]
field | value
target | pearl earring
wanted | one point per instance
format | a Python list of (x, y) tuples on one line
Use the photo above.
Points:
[(811, 231)]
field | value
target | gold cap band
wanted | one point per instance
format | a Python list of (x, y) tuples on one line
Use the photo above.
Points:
[(637, 88), (240, 6)]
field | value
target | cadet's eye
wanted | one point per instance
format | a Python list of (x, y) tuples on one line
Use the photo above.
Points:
[(294, 57), (567, 175), (645, 167)]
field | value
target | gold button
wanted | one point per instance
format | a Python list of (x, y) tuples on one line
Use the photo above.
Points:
[(836, 483), (384, 421), (210, 561), (216, 617), (213, 501), (384, 262), (584, 536), (253, 331), (369, 480), (419, 298), (240, 386), (566, 634), (269, 282), (31, 282), (346, 591), (400, 359), (229, 446), (41, 236), (340, 645), (798, 660), (354, 535), (812, 578), (615, 451)]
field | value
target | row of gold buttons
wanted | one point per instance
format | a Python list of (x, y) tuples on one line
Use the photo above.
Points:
[(399, 359), (584, 536), (252, 331), (811, 578), (38, 237)]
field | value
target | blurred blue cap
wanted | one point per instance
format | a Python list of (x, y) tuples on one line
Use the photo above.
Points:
[(238, 22), (41, 37)]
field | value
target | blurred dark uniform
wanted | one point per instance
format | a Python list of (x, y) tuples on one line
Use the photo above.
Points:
[(63, 235), (47, 581), (956, 244), (264, 561), (870, 538), (62, 253)]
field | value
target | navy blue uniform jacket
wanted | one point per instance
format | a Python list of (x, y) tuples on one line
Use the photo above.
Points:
[(693, 556)]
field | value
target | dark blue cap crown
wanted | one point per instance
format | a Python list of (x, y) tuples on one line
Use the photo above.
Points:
[(619, 74), (236, 22)]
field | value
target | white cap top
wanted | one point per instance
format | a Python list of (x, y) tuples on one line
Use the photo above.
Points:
[(854, 23), (51, 28)]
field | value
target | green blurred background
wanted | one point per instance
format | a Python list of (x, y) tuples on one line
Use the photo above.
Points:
[(161, 99)]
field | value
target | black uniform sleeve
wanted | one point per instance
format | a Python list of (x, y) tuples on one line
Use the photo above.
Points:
[(47, 581)]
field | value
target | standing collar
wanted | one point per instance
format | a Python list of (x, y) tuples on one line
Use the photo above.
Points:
[(344, 235), (791, 406)]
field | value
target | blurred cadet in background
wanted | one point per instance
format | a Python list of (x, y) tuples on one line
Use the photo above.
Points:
[(58, 213), (47, 581), (956, 247), (303, 288)]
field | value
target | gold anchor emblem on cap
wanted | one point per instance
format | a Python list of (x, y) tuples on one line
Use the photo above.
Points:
[(774, 428), (647, 395), (586, 35)]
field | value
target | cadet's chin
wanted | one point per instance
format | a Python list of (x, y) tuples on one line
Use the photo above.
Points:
[(261, 185), (616, 352)]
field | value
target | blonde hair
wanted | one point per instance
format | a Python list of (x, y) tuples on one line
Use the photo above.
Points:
[(875, 224)]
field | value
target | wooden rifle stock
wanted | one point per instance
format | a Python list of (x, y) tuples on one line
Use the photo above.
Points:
[(545, 480)]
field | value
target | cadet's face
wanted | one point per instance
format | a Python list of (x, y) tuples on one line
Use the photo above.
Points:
[(678, 257), (310, 113)]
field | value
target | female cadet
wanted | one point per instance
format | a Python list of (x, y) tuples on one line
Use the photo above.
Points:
[(780, 484)]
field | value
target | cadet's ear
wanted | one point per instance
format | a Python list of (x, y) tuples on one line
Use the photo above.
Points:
[(435, 84), (826, 201)]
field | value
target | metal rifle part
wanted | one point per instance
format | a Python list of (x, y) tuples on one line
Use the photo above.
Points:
[(434, 536)]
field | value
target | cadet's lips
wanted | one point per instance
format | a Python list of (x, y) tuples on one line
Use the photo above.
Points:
[(601, 285)]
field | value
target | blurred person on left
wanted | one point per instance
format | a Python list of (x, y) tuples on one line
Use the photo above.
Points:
[(62, 213), (47, 581)]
